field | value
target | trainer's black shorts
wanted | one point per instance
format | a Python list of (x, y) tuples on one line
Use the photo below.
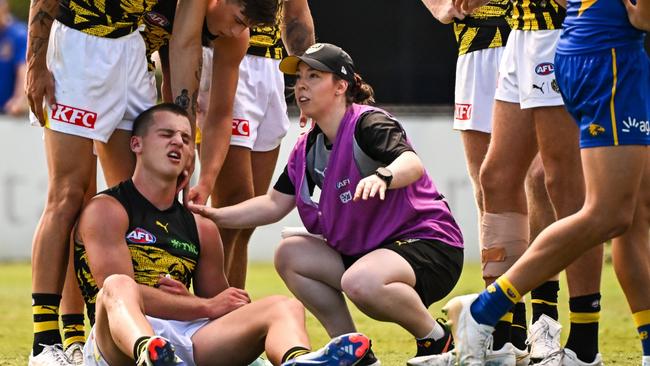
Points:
[(437, 265)]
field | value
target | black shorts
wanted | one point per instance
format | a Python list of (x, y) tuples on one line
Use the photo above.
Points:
[(437, 265)]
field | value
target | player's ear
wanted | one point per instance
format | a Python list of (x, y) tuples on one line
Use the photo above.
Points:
[(136, 144)]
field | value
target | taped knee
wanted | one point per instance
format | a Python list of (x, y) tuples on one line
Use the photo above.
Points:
[(504, 238)]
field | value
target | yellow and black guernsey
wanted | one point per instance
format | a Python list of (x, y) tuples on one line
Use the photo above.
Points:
[(158, 25), (267, 41), (104, 18), (487, 27), (160, 243), (532, 15)]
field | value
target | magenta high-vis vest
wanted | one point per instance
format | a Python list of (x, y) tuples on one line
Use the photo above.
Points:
[(352, 228)]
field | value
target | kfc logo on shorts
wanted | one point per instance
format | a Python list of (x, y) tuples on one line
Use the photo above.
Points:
[(74, 116), (545, 68), (241, 127), (463, 112), (140, 236), (156, 19)]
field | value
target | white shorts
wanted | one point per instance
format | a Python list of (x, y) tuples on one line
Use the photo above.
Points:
[(527, 71), (179, 333), (100, 84), (476, 83), (260, 118)]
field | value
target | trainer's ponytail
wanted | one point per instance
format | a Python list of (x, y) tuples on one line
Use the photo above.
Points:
[(360, 92)]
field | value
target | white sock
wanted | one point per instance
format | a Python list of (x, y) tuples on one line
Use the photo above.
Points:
[(436, 333)]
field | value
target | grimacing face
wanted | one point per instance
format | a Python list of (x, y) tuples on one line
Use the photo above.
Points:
[(226, 18), (167, 145)]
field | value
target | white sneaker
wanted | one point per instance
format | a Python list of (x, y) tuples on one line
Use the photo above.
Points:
[(471, 338), (566, 357), (502, 357), (261, 362), (50, 356), (645, 361), (443, 359), (544, 338), (571, 359), (522, 356), (75, 354)]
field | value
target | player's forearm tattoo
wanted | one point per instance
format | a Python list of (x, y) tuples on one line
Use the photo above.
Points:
[(298, 36), (43, 18), (36, 44), (195, 103)]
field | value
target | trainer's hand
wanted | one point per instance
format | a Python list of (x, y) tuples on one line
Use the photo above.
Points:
[(205, 211), (443, 10), (636, 16), (468, 6), (369, 186), (183, 182), (39, 86), (170, 285), (228, 300)]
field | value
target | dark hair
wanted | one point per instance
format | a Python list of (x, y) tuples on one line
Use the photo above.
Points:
[(261, 12), (144, 120), (360, 92)]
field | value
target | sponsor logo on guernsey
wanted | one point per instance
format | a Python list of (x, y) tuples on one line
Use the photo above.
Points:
[(241, 127), (186, 247), (345, 197), (158, 223), (74, 116), (541, 88), (634, 124), (595, 130), (155, 18), (140, 236), (544, 68), (463, 112), (554, 86)]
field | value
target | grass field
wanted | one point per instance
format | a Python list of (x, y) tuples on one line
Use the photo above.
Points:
[(618, 339)]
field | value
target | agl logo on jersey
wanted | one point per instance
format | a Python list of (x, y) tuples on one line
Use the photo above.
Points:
[(140, 236), (544, 68)]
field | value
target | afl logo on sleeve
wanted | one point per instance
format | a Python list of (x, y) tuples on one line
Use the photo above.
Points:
[(140, 236), (155, 18), (241, 127)]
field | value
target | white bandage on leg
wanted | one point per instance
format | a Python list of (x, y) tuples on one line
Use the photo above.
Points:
[(288, 232), (504, 238)]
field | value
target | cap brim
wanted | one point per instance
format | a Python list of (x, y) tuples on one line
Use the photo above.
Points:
[(289, 65)]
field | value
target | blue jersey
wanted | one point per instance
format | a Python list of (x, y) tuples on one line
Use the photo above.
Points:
[(596, 25), (13, 42)]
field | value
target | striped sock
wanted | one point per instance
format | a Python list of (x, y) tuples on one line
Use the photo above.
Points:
[(501, 334), (140, 346), (519, 331), (294, 352), (45, 309), (544, 300), (583, 336), (642, 322), (494, 302), (73, 329)]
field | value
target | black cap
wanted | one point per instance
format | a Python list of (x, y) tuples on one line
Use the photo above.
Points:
[(323, 57)]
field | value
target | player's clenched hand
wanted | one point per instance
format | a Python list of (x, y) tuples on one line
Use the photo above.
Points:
[(369, 186), (468, 6), (636, 15), (443, 10), (228, 300), (170, 285), (39, 86)]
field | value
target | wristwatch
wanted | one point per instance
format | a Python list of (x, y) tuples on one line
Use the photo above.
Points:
[(385, 175)]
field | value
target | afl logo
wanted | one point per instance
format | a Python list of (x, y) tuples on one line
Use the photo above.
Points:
[(544, 68), (140, 236), (156, 19)]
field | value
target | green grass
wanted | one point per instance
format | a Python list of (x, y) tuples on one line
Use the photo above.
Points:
[(618, 339)]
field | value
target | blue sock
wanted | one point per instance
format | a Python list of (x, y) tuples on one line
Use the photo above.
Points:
[(491, 305), (644, 334)]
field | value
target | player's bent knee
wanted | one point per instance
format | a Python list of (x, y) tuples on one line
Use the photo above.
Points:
[(494, 179), (504, 238), (65, 201), (117, 283), (608, 224)]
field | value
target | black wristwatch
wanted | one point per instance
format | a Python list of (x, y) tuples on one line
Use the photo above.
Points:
[(385, 175)]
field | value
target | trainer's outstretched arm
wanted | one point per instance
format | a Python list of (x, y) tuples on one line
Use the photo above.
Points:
[(39, 83), (257, 211), (297, 26), (443, 10)]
